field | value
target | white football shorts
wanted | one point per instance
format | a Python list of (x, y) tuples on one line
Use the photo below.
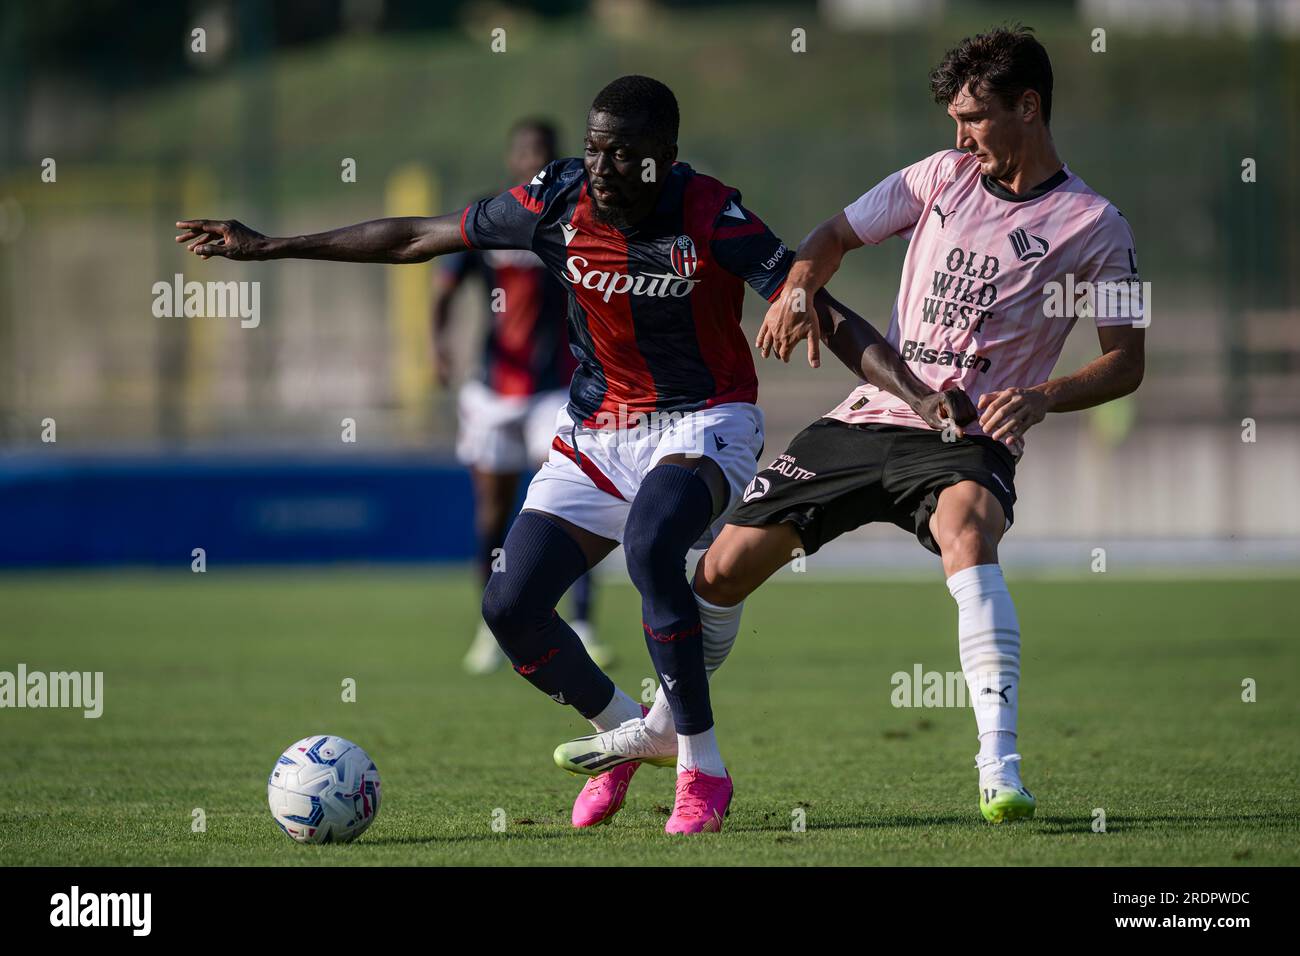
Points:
[(593, 474), (505, 433)]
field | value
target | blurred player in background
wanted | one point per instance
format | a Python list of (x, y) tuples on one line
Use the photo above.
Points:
[(507, 413)]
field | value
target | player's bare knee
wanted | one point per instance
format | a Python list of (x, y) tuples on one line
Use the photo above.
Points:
[(965, 546), (717, 578)]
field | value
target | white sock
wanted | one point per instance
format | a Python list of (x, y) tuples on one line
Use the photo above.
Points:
[(700, 752), (989, 638), (996, 744), (659, 722), (718, 629), (620, 708)]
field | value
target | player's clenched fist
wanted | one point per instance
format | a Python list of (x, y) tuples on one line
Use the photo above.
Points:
[(952, 406), (228, 238), (787, 323)]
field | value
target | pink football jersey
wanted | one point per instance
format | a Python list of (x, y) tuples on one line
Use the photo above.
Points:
[(973, 308)]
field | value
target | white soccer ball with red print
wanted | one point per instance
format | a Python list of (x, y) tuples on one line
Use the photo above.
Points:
[(323, 789)]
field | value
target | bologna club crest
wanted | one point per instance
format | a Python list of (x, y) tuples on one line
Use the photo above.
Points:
[(683, 257)]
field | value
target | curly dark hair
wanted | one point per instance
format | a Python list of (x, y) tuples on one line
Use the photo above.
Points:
[(1004, 62), (640, 97)]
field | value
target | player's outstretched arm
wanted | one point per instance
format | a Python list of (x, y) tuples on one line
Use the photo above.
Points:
[(399, 240), (869, 355)]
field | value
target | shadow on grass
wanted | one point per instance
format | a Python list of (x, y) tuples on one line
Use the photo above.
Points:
[(444, 839), (1042, 824), (1048, 825), (873, 823), (1060, 825)]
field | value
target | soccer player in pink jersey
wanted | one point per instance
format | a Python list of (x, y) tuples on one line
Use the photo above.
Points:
[(990, 226)]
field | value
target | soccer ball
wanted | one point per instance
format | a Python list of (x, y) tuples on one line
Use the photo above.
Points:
[(323, 789)]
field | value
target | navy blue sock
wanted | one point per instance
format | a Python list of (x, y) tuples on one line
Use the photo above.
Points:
[(541, 562), (671, 510), (581, 592)]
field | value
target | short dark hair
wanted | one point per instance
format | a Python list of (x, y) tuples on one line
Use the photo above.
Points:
[(640, 97), (543, 128), (1004, 62)]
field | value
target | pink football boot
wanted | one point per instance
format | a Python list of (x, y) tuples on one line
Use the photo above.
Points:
[(702, 802), (602, 796)]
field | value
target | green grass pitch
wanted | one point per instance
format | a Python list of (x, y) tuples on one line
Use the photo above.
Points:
[(1131, 703)]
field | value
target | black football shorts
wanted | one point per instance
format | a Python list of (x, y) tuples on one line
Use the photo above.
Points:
[(835, 477)]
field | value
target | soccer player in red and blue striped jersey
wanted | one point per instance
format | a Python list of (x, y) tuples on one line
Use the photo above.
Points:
[(661, 433)]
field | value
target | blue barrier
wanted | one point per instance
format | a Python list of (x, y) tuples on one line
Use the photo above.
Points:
[(59, 510)]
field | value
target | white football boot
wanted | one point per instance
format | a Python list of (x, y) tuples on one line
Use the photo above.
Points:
[(1002, 796)]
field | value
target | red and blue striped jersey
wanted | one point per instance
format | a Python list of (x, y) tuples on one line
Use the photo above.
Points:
[(654, 309), (526, 345)]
